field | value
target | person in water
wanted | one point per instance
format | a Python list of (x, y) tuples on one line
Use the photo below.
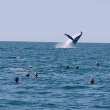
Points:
[(27, 74), (91, 81), (16, 79), (67, 67), (35, 75), (97, 64), (77, 67)]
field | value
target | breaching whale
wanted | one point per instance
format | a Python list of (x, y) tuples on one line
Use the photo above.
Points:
[(70, 42)]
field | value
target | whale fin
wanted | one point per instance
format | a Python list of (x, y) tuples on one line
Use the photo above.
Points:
[(77, 38), (69, 37)]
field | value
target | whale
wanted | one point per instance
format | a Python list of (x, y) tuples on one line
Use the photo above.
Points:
[(72, 40), (70, 43)]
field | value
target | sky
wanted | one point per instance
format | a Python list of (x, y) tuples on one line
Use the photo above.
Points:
[(49, 20)]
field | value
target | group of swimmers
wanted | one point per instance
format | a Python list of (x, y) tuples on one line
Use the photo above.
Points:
[(35, 75), (16, 78), (91, 80)]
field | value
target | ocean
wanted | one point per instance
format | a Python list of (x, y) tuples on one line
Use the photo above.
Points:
[(55, 88)]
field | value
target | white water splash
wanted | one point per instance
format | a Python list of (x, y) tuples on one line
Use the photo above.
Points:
[(15, 69), (64, 45)]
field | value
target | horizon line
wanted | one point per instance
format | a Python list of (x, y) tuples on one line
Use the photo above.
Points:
[(51, 41)]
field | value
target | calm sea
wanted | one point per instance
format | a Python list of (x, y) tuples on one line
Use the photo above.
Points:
[(55, 88)]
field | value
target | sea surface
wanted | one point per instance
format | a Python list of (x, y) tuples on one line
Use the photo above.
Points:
[(55, 88)]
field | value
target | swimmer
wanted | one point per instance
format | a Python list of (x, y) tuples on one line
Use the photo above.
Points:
[(67, 67), (77, 67), (97, 64), (91, 81), (27, 74), (35, 75), (16, 79)]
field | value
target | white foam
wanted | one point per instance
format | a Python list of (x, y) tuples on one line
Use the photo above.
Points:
[(15, 69), (64, 45)]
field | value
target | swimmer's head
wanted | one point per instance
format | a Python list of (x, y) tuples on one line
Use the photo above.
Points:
[(97, 64), (16, 79), (27, 74), (91, 80), (35, 75), (77, 67), (67, 67)]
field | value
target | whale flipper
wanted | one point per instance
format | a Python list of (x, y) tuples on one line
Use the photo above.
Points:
[(69, 37), (77, 38)]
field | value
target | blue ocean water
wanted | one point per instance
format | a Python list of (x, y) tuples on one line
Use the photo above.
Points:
[(55, 88)]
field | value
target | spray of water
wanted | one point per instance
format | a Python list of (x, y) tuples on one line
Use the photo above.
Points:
[(64, 45)]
